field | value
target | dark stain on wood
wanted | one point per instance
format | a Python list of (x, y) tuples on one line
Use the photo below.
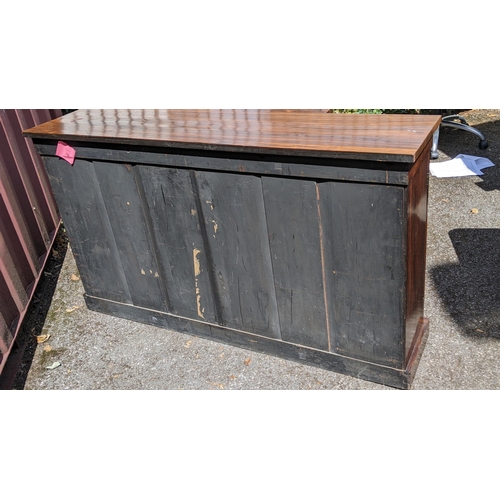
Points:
[(172, 204), (294, 240), (82, 207), (126, 217), (234, 215), (364, 238)]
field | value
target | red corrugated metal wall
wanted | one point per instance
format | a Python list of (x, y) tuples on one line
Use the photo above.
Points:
[(29, 219)]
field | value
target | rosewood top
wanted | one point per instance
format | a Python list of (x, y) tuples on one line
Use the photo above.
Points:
[(370, 137)]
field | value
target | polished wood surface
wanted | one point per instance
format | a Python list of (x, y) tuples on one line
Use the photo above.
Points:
[(375, 137)]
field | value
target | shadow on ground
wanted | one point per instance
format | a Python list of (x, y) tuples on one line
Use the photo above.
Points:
[(19, 361), (490, 180), (470, 290)]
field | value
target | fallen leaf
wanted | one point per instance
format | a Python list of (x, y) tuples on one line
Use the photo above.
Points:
[(55, 364), (71, 309), (47, 348), (188, 343), (247, 361), (74, 277), (474, 211), (40, 339)]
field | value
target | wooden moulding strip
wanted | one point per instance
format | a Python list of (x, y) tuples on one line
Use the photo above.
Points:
[(417, 348), (371, 372), (305, 167)]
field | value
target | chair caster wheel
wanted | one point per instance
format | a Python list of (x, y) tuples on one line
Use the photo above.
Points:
[(483, 144), (434, 155)]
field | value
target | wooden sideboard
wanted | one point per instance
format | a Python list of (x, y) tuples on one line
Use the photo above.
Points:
[(300, 235)]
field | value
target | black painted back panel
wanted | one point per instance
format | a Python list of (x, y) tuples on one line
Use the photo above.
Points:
[(319, 264)]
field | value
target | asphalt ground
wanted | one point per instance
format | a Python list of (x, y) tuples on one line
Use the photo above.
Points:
[(95, 351)]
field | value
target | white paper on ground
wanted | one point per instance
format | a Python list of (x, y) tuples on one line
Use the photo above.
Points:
[(460, 166)]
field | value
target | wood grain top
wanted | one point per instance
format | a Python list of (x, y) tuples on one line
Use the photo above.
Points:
[(313, 133)]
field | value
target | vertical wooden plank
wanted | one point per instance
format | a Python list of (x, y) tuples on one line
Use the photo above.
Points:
[(234, 215), (364, 239), (417, 244), (176, 228), (89, 230), (125, 211), (294, 238)]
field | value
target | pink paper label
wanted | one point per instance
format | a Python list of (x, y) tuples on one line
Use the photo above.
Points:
[(65, 152)]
